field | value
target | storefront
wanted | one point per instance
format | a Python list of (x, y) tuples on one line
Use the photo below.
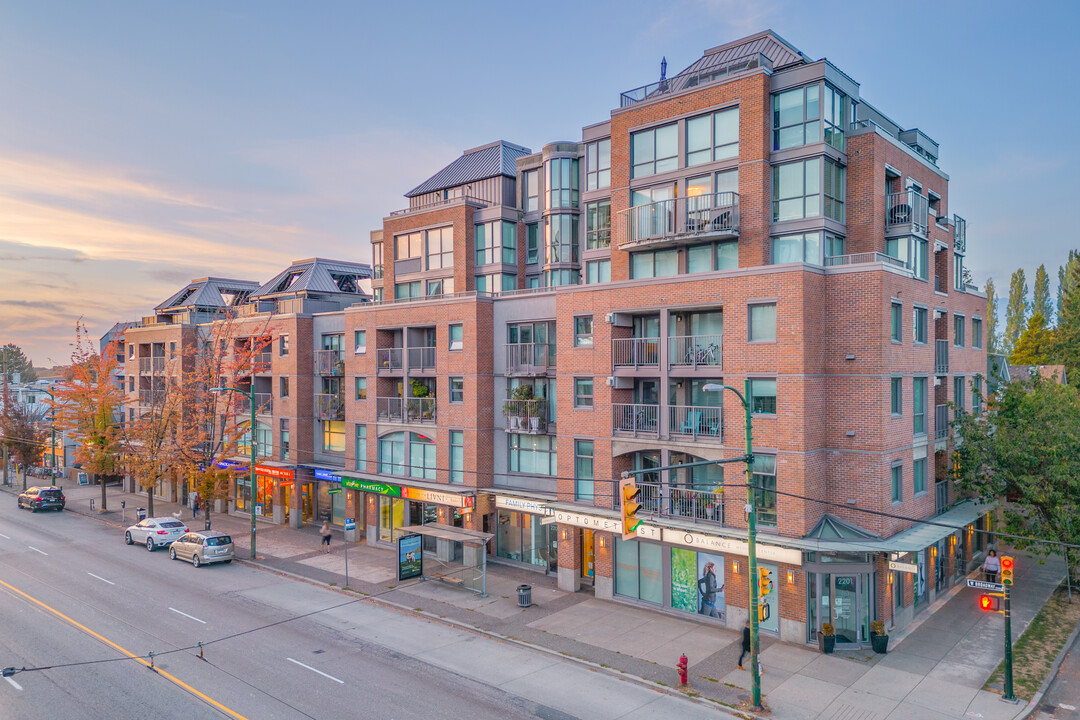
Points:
[(332, 505), (396, 506), (525, 533), (272, 485), (840, 590)]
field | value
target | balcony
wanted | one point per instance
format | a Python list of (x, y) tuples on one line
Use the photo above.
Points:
[(695, 351), (528, 417), (377, 272), (329, 406), (906, 213), (530, 359), (148, 365), (941, 497), (422, 358), (666, 501), (864, 258), (389, 361), (406, 410), (686, 81), (261, 361), (264, 404), (329, 362), (941, 357), (681, 220), (635, 352), (151, 397), (959, 234), (696, 421), (941, 422), (636, 419)]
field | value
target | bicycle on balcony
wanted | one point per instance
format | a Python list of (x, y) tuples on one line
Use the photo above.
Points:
[(699, 355)]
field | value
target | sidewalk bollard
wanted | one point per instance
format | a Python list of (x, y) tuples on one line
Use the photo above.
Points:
[(123, 512), (91, 505), (524, 595), (681, 666)]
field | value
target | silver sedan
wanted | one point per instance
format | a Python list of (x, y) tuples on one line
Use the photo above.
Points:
[(155, 532)]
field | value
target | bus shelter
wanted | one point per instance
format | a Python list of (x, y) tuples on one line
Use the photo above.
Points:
[(453, 555)]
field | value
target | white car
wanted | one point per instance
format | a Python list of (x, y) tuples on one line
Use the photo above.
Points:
[(155, 532)]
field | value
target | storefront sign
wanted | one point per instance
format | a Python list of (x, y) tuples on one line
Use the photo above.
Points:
[(274, 472), (593, 522), (903, 567), (436, 497), (410, 557), (371, 486), (333, 491), (286, 483), (526, 506), (228, 465), (322, 474), (731, 546)]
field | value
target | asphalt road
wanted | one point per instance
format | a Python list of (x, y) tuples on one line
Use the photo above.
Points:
[(78, 602)]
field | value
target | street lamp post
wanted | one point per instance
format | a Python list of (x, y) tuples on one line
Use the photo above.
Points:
[(751, 532), (250, 395), (52, 427)]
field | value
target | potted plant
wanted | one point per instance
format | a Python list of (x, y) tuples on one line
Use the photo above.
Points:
[(538, 413), (878, 639), (515, 405), (826, 638)]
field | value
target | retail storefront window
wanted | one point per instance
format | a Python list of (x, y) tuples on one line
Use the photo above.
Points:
[(391, 516), (523, 538), (697, 583), (639, 570)]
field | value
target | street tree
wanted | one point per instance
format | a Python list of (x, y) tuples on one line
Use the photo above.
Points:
[(993, 337), (1024, 452), (89, 404), (21, 433), (1016, 312), (151, 441), (14, 360), (1036, 346)]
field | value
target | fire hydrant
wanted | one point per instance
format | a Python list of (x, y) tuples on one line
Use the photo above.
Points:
[(681, 667)]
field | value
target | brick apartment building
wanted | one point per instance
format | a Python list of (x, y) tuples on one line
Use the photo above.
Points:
[(541, 322)]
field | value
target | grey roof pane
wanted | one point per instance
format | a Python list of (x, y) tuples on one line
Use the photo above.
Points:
[(499, 158), (313, 275), (210, 293)]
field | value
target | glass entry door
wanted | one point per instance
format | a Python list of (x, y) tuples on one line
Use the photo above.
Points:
[(843, 599), (845, 608)]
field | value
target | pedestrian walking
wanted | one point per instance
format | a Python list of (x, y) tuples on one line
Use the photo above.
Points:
[(325, 530), (195, 505), (745, 642), (991, 566)]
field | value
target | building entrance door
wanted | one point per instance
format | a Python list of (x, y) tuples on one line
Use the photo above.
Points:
[(845, 607), (588, 558)]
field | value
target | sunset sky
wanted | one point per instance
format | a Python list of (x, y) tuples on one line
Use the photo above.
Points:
[(143, 144)]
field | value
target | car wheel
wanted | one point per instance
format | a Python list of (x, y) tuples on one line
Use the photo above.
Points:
[(150, 544), (195, 560), (172, 553), (228, 561)]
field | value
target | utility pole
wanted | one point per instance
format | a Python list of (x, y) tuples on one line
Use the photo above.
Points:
[(1009, 695)]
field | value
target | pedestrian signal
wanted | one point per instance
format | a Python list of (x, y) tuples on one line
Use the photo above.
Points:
[(990, 603), (628, 495), (1007, 564)]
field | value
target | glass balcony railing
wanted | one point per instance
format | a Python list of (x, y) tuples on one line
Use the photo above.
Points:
[(330, 362), (329, 406), (389, 360), (907, 208)]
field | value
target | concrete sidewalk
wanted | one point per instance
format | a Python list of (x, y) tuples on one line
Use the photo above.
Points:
[(934, 670)]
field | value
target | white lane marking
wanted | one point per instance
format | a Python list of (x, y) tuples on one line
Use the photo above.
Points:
[(100, 578), (14, 684), (188, 616), (314, 670), (36, 550), (1063, 706), (4, 536)]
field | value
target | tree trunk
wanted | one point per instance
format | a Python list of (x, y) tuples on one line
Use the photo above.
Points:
[(24, 472), (150, 501), (104, 500)]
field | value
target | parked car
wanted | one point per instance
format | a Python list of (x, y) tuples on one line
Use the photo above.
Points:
[(203, 546), (155, 532), (43, 498)]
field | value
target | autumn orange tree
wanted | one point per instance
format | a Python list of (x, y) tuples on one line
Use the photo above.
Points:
[(21, 433), (88, 405), (151, 436)]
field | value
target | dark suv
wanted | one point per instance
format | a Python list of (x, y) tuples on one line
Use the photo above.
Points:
[(43, 498)]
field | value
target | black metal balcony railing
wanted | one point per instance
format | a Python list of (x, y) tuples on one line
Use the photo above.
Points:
[(635, 352), (660, 500), (941, 357), (695, 351), (941, 422), (529, 358), (636, 418), (151, 365), (907, 208), (422, 358), (695, 421), (389, 359), (330, 362), (329, 406), (680, 219), (527, 416), (406, 410), (689, 80)]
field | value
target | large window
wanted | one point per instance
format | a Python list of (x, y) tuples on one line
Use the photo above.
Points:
[(598, 165), (762, 322), (712, 256), (796, 117), (457, 456), (392, 454), (441, 286), (583, 469), (712, 137), (834, 112), (765, 489), (496, 282), (639, 570), (918, 405), (533, 454), (421, 457), (561, 242), (598, 271), (835, 191), (659, 263), (409, 246), (655, 151), (440, 248), (408, 290), (763, 396), (598, 225), (583, 331), (805, 247), (496, 241), (333, 436), (530, 191), (361, 448), (797, 190), (562, 177)]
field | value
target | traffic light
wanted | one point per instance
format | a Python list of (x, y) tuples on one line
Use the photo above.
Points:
[(628, 494), (763, 612), (1007, 564), (990, 602), (764, 582)]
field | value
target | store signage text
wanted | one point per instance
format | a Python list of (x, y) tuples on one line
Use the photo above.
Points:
[(527, 506), (439, 498), (323, 474), (274, 472), (371, 486), (904, 567), (732, 546)]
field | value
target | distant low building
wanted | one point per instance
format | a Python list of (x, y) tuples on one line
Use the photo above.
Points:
[(1047, 372)]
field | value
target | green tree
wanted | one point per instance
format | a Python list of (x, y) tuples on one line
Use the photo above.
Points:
[(1067, 336), (1041, 303), (1016, 313), (1036, 345), (993, 338), (14, 360), (1025, 453), (1064, 277), (21, 433)]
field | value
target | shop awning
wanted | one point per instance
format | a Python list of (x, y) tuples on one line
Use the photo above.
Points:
[(447, 532), (923, 535)]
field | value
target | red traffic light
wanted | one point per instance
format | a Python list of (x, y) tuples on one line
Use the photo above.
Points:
[(986, 602), (1007, 563)]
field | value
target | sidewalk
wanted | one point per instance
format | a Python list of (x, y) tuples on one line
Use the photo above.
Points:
[(934, 670)]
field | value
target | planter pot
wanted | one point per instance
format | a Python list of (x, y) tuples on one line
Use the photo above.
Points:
[(515, 422), (880, 643), (826, 643), (534, 424)]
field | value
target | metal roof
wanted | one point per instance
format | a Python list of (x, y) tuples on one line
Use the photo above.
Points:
[(314, 275), (768, 43), (209, 292), (486, 161), (930, 530)]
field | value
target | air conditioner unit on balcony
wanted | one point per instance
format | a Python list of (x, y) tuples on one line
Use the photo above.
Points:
[(937, 381), (610, 381), (610, 318)]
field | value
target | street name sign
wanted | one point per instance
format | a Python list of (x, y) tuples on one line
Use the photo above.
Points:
[(983, 585)]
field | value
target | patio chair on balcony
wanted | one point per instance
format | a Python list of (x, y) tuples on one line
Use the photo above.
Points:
[(692, 424)]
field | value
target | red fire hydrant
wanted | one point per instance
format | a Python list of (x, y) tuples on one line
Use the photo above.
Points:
[(681, 667)]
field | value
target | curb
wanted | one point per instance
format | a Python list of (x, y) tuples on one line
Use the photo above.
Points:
[(1036, 699)]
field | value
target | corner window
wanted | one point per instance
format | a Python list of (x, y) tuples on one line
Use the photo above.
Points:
[(457, 390), (359, 342), (762, 321), (712, 137), (897, 318), (457, 337), (361, 447), (835, 191), (361, 388), (530, 190), (583, 470), (654, 151), (583, 331), (598, 225), (896, 396), (562, 239), (496, 242), (918, 325), (958, 330), (457, 456), (583, 393), (897, 475), (797, 248), (562, 177), (834, 112), (763, 396), (797, 190), (598, 165), (532, 243), (796, 117)]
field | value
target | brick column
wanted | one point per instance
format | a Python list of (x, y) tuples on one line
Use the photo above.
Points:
[(569, 539)]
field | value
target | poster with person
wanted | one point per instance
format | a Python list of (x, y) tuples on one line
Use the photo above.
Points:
[(697, 583)]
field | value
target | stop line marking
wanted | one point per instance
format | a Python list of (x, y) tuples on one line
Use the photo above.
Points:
[(14, 684)]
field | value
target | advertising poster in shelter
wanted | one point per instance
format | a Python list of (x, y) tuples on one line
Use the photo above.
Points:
[(697, 583), (410, 557)]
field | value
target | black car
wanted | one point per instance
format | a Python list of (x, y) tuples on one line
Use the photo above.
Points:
[(43, 498)]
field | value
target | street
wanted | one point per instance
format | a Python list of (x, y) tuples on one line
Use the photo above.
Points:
[(259, 662), (1062, 699)]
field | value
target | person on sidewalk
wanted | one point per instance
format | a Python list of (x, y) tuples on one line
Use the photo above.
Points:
[(708, 587), (325, 530), (195, 506), (745, 642), (991, 566)]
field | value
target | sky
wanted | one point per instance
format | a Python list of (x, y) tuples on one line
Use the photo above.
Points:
[(144, 144)]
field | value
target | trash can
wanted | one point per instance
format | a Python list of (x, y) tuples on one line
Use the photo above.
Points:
[(140, 513), (524, 595)]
